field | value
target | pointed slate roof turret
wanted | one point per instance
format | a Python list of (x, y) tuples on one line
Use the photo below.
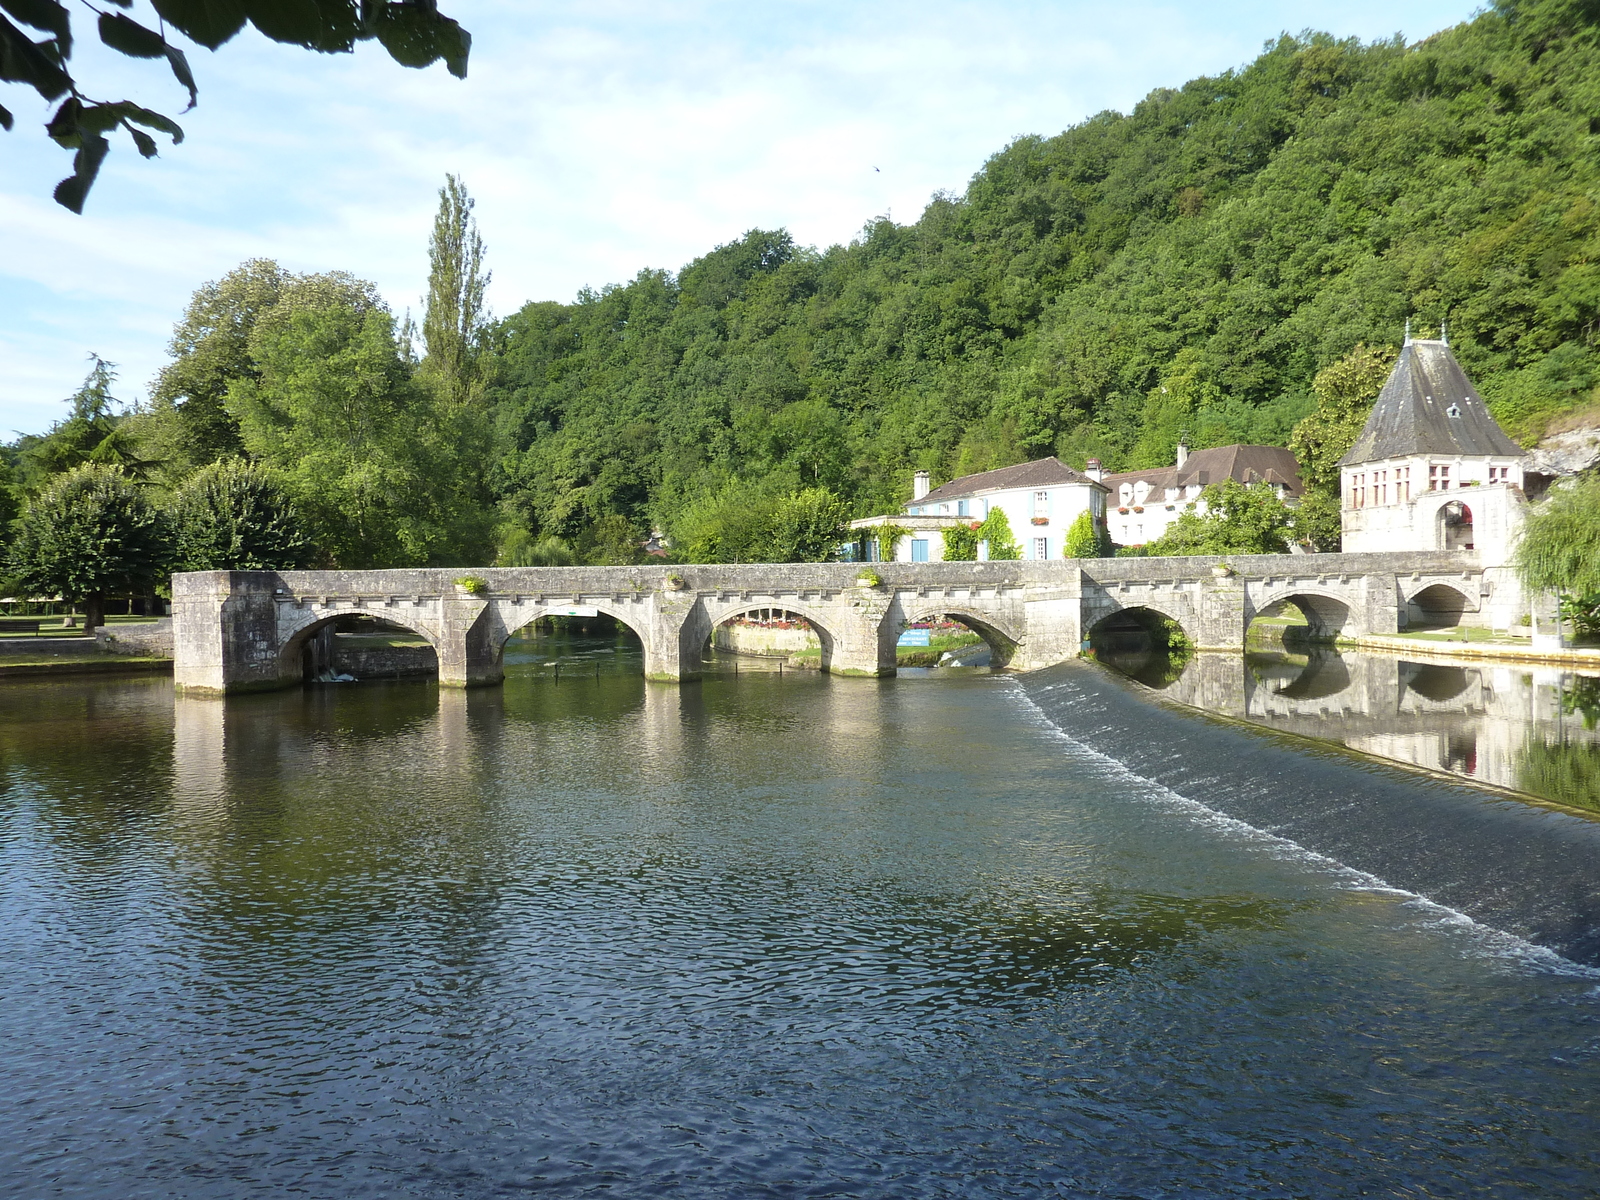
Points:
[(1429, 406)]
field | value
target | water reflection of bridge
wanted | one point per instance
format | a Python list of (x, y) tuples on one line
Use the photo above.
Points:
[(1477, 720)]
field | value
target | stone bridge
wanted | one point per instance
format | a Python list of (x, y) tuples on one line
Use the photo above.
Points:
[(248, 630)]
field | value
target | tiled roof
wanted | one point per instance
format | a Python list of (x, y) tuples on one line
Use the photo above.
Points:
[(1040, 473), (1247, 464), (1428, 406)]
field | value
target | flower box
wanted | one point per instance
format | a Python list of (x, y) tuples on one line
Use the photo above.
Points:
[(1041, 520), (1138, 508), (1123, 511)]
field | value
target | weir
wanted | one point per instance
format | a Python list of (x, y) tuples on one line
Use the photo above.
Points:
[(247, 630)]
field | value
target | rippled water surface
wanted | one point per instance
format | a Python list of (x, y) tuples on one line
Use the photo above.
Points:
[(761, 936)]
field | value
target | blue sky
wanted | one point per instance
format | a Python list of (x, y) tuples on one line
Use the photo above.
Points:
[(598, 139)]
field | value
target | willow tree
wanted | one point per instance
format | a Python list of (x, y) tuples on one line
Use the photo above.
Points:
[(453, 325), (1559, 551)]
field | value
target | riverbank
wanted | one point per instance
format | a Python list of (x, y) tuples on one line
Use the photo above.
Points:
[(1583, 658), (23, 666)]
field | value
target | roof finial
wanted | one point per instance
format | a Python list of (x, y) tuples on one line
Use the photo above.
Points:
[(1443, 338), (1408, 331)]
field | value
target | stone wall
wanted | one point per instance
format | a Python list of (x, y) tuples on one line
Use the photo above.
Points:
[(758, 639), (153, 638)]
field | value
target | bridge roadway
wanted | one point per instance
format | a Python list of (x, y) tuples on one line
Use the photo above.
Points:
[(246, 630)]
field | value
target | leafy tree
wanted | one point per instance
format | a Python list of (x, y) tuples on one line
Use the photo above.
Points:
[(210, 348), (1238, 520), (453, 325), (363, 450), (961, 542), (1559, 550), (88, 534), (1345, 392), (415, 35), (236, 516), (1317, 524), (1083, 538), (747, 523), (518, 549), (808, 526), (996, 530)]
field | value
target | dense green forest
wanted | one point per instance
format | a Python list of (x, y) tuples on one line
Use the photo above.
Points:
[(1190, 266)]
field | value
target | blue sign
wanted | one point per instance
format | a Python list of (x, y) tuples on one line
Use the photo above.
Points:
[(914, 637)]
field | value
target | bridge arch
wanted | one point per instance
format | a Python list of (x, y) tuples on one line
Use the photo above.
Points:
[(1327, 614), (723, 613), (1437, 603), (1178, 614), (1148, 618), (297, 642), (996, 633), (524, 615)]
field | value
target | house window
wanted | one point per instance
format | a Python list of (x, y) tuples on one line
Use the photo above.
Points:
[(1125, 492), (1438, 477), (1041, 547), (919, 549), (1041, 504), (961, 508), (1402, 487)]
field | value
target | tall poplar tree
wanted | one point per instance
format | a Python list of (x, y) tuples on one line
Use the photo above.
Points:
[(453, 326)]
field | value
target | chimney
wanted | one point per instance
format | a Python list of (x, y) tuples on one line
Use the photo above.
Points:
[(919, 485), (1183, 452), (1093, 471)]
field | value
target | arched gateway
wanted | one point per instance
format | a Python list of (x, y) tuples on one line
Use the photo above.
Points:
[(239, 630)]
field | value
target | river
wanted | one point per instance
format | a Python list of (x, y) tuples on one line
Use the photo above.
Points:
[(768, 936)]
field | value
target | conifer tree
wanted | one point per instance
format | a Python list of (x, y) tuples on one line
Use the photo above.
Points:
[(453, 325)]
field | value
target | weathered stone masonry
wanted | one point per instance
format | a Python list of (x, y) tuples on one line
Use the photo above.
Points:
[(244, 630)]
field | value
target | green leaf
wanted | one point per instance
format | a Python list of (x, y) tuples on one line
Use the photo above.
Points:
[(297, 22), (72, 191), (209, 22), (43, 14), (151, 120), (131, 38), (24, 61), (416, 37), (63, 125), (141, 139), (180, 68)]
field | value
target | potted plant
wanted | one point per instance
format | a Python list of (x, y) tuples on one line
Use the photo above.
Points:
[(868, 578), (1041, 520), (1221, 570), (674, 582), (472, 585)]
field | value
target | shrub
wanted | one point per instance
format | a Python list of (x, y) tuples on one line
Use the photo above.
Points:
[(1083, 539), (996, 530), (236, 516), (90, 533), (961, 543)]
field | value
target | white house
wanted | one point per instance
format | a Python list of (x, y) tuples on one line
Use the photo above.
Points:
[(1144, 503), (1041, 500), (1431, 470)]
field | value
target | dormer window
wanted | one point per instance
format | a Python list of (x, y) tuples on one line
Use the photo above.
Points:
[(1453, 411), (1126, 492)]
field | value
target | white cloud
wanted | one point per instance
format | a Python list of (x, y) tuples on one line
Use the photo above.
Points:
[(598, 140)]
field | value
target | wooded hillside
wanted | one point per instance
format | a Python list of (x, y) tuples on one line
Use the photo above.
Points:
[(1190, 265)]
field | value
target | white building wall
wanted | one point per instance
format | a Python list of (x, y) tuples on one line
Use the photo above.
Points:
[(1058, 506)]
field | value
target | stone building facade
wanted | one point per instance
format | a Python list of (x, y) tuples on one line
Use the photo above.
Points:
[(1432, 470)]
